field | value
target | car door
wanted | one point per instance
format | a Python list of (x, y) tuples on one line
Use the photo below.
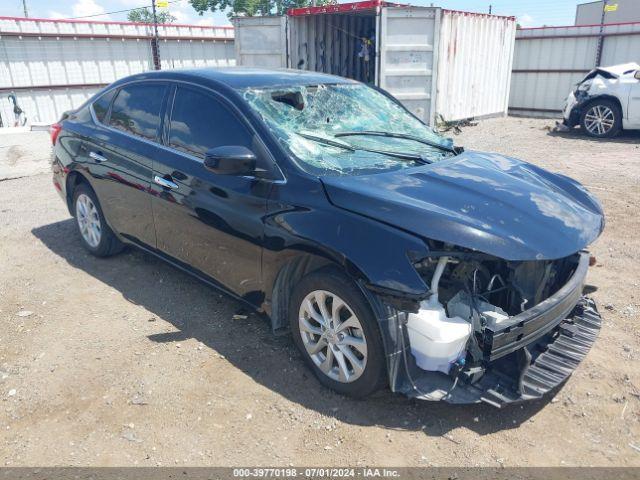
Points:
[(211, 222), (121, 153)]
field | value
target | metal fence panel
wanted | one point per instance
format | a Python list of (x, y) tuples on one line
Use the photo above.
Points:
[(622, 48), (115, 29), (196, 53), (46, 61), (44, 105), (54, 65)]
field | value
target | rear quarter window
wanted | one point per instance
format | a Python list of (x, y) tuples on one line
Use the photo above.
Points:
[(101, 105)]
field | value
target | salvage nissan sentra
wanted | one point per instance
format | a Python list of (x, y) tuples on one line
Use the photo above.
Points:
[(394, 257)]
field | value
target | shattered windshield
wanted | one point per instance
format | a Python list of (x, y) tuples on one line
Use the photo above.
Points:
[(346, 129)]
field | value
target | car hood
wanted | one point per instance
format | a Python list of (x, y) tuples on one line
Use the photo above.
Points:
[(619, 70), (487, 202), (612, 72)]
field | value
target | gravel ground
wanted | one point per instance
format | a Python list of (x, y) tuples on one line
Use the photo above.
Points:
[(128, 361), (23, 153)]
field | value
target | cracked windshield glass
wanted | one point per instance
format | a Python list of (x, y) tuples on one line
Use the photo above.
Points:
[(346, 129)]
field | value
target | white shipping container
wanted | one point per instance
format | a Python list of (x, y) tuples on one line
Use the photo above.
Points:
[(436, 62)]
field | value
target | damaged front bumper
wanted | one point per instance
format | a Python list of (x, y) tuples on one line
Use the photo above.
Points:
[(539, 367), (527, 374), (571, 111), (524, 359)]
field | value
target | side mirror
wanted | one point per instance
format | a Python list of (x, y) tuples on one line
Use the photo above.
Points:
[(637, 74), (230, 160)]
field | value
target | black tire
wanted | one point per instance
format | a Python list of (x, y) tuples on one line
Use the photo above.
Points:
[(109, 244), (331, 280), (591, 129)]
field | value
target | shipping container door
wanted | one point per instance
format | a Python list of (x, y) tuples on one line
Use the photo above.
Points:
[(407, 50), (261, 41), (474, 65)]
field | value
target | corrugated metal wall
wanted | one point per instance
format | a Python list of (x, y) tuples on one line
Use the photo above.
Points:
[(474, 65), (548, 62), (52, 66)]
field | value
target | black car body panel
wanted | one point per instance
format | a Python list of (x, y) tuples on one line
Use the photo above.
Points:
[(485, 202), (255, 235), (296, 229)]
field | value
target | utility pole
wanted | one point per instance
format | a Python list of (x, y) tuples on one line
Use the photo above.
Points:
[(24, 7), (601, 35), (155, 44)]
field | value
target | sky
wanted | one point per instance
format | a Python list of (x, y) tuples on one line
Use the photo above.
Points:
[(530, 13)]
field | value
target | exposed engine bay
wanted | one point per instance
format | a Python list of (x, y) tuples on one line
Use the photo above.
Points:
[(492, 330), (512, 286), (473, 298)]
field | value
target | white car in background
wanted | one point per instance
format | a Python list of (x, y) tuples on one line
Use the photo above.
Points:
[(606, 101)]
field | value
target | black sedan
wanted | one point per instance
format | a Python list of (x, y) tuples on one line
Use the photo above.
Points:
[(394, 257)]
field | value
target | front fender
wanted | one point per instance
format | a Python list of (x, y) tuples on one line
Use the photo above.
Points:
[(377, 255)]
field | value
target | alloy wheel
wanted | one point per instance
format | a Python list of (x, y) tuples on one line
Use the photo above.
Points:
[(333, 336), (599, 120), (88, 220)]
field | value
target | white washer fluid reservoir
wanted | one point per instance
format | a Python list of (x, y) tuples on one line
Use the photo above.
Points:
[(436, 340)]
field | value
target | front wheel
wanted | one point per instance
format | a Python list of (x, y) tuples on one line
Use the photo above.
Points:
[(601, 119), (337, 333)]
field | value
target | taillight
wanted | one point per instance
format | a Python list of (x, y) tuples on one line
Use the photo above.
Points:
[(54, 130)]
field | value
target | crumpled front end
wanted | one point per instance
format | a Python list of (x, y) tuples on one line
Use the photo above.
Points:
[(502, 272), (536, 369), (599, 82), (529, 327)]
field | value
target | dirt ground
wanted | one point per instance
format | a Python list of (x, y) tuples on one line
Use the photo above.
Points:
[(128, 361)]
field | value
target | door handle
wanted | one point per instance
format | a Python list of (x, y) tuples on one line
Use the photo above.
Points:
[(164, 182), (97, 157)]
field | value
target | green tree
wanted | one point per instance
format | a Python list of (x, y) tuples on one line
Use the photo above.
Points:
[(145, 15), (251, 8)]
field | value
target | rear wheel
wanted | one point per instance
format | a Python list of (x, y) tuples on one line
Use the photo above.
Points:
[(601, 119), (337, 333), (95, 234)]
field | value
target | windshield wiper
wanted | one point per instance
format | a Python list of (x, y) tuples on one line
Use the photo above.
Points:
[(403, 156), (397, 135), (326, 141)]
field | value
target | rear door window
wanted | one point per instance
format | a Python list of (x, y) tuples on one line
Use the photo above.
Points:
[(101, 105), (136, 109), (200, 122)]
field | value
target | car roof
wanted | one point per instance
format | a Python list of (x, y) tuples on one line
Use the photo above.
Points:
[(243, 77)]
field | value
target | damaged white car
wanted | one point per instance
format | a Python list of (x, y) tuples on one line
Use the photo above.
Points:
[(605, 102)]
